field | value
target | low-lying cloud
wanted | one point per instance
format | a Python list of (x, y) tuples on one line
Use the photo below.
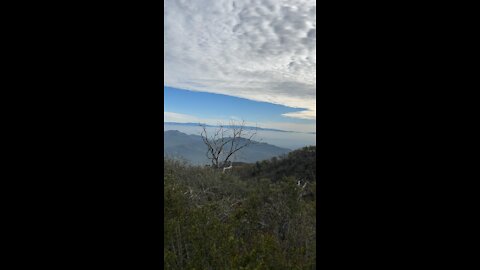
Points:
[(186, 118), (262, 50)]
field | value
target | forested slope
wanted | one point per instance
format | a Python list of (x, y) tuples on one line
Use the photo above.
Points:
[(299, 164)]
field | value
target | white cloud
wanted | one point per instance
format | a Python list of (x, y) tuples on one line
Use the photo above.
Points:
[(179, 117), (289, 126), (263, 50), (300, 114), (185, 118)]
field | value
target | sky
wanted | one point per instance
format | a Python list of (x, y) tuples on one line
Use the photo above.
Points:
[(253, 60)]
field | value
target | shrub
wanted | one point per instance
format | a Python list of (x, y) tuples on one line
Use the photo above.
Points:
[(224, 221)]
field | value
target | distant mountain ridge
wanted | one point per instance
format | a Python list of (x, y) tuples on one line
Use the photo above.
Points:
[(193, 149), (229, 126)]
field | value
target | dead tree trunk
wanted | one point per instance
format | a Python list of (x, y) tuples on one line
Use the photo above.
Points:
[(226, 141)]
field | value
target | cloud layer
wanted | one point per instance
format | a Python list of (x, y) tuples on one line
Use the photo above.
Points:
[(186, 118), (263, 50)]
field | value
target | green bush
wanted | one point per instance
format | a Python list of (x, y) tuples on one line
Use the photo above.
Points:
[(223, 221)]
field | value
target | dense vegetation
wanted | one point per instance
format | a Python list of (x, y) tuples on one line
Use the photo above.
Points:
[(299, 164), (230, 221)]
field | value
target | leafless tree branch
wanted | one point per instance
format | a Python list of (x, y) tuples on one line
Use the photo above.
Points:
[(226, 141)]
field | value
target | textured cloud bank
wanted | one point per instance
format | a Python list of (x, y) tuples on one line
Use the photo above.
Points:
[(261, 50)]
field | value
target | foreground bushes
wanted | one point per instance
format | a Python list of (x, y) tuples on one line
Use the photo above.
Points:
[(217, 221)]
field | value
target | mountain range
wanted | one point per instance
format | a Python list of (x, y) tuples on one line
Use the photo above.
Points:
[(192, 148), (229, 126)]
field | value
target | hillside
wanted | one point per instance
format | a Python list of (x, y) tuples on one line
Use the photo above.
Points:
[(299, 164), (229, 221), (192, 149)]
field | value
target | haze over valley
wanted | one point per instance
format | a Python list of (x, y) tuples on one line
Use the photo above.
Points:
[(191, 148), (290, 140)]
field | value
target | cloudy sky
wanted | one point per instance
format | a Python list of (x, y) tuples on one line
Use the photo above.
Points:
[(257, 56)]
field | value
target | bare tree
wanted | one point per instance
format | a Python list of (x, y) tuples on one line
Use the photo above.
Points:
[(226, 141)]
